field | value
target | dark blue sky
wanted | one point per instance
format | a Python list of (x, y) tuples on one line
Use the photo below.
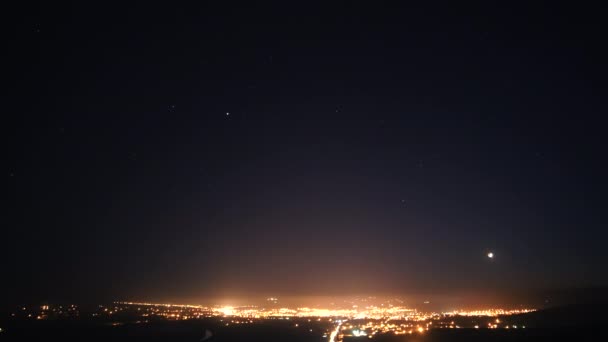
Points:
[(160, 152)]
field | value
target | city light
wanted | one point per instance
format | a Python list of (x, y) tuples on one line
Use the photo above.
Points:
[(227, 310), (352, 318)]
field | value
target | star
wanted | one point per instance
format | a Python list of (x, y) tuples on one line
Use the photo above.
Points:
[(227, 113), (491, 255)]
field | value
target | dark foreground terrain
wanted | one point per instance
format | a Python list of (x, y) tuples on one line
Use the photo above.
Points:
[(267, 331)]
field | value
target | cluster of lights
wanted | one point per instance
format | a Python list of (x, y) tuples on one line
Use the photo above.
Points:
[(370, 328), (148, 310), (47, 312), (349, 321), (488, 312), (190, 306), (371, 312), (353, 321)]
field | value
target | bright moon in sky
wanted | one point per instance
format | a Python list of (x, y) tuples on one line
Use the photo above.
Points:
[(491, 255)]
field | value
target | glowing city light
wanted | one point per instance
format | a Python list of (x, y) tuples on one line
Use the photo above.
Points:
[(358, 333), (364, 319), (227, 310)]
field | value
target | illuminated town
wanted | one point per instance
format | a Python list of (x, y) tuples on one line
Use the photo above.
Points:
[(331, 324)]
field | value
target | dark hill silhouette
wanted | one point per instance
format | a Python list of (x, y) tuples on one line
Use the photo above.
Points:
[(582, 316)]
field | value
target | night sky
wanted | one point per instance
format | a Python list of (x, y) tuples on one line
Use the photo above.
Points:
[(166, 152)]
